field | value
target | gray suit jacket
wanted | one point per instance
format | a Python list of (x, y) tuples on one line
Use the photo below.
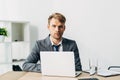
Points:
[(45, 45)]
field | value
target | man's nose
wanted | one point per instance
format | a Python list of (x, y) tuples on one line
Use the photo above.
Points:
[(57, 29)]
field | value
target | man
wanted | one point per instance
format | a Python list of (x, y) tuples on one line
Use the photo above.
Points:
[(56, 26)]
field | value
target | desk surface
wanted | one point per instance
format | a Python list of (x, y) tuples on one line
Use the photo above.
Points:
[(37, 76)]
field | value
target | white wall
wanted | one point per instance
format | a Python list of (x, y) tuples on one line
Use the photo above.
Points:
[(94, 24)]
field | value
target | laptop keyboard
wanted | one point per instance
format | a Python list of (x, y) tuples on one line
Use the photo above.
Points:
[(89, 79)]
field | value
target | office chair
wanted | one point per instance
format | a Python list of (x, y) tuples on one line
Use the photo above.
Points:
[(16, 68), (115, 68)]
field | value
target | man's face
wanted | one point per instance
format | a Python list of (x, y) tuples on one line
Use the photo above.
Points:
[(56, 28)]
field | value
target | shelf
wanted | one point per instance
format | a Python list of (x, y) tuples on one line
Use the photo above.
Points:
[(5, 53), (20, 50), (16, 46), (17, 30), (20, 31), (5, 42)]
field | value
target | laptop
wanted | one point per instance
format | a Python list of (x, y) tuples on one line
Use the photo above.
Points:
[(107, 73), (58, 64)]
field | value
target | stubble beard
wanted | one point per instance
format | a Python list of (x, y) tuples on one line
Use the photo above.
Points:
[(57, 36)]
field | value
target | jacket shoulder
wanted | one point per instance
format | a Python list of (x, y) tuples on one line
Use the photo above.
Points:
[(40, 42), (68, 40)]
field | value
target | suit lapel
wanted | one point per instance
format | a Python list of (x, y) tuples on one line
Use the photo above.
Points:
[(64, 43), (48, 44)]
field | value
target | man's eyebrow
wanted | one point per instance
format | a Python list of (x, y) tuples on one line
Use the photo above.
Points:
[(60, 25), (53, 25)]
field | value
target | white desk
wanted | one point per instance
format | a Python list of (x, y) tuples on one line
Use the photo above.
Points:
[(37, 76)]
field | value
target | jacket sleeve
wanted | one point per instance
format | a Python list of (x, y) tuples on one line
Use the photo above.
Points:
[(78, 65), (31, 63)]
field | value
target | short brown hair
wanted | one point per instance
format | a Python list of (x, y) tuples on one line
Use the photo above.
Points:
[(58, 16)]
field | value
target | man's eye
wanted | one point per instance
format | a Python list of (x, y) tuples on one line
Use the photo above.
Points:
[(53, 26)]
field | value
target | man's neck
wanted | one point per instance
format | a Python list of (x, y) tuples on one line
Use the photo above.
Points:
[(55, 41)]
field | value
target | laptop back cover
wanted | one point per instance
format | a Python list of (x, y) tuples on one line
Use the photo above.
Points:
[(57, 63)]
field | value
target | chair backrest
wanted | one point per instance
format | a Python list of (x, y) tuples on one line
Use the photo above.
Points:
[(16, 68), (114, 68)]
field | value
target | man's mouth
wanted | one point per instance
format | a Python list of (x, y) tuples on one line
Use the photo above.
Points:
[(57, 33)]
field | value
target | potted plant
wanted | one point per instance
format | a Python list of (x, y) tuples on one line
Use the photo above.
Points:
[(3, 34)]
